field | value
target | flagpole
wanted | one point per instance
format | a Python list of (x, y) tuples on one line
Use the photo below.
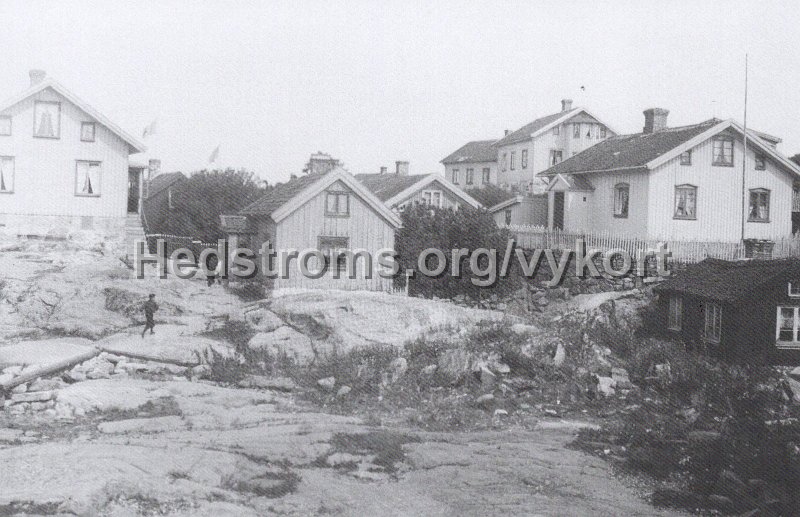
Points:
[(744, 158)]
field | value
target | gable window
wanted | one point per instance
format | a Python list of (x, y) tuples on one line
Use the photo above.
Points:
[(87, 178), (6, 174), (508, 217), (557, 130), (470, 176), (686, 157), (589, 131), (786, 327), (621, 198), (759, 206), (524, 159), (761, 162), (87, 131), (556, 156), (712, 330), (723, 152), (685, 202), (675, 319), (432, 198), (576, 130), (334, 247), (47, 119), (513, 160), (503, 161), (486, 175), (794, 290), (455, 176), (5, 126), (337, 204)]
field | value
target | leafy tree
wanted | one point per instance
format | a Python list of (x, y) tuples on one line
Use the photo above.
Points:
[(207, 194), (796, 158)]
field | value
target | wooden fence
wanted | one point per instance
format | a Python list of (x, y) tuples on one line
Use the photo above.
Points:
[(681, 251)]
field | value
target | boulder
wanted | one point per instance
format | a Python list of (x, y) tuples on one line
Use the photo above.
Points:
[(36, 396), (46, 384), (285, 341), (263, 320), (201, 371), (621, 379), (560, 356), (605, 386), (487, 378), (343, 391), (327, 384)]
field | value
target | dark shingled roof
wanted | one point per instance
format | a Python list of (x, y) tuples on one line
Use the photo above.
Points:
[(386, 186), (727, 281), (477, 151), (164, 181), (524, 133), (629, 151), (281, 194), (490, 195)]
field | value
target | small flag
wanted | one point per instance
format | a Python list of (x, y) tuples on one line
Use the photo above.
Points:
[(150, 129), (583, 88), (213, 157)]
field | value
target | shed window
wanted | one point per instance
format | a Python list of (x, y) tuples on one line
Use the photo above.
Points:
[(761, 162), (87, 178), (723, 152), (794, 289), (524, 159), (675, 313), (337, 204), (686, 157), (47, 119), (685, 202), (621, 197), (576, 130), (455, 176), (5, 126), (334, 247), (6, 174), (759, 206), (508, 217), (470, 176), (486, 176), (713, 322)]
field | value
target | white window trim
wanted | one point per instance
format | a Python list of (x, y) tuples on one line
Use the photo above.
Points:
[(677, 301), (794, 344), (98, 188), (795, 294), (717, 310), (430, 193)]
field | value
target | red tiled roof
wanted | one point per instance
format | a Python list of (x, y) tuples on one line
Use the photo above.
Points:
[(477, 151)]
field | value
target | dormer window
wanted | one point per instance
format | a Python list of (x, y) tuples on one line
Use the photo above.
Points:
[(47, 119), (87, 131), (5, 126)]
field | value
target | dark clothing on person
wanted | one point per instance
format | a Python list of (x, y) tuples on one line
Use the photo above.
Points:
[(150, 307)]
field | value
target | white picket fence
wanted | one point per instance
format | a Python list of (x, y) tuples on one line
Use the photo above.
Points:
[(682, 251)]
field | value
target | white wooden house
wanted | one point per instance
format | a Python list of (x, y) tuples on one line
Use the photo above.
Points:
[(682, 183), (64, 167)]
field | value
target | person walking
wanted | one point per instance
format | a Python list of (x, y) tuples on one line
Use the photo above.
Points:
[(150, 308)]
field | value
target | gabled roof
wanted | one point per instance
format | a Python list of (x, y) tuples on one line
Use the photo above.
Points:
[(387, 187), (505, 204), (490, 195), (285, 198), (572, 182), (478, 151), (728, 281), (540, 125), (646, 151), (134, 145), (164, 181)]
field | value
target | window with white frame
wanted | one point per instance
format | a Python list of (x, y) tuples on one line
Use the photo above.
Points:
[(686, 157), (759, 205), (513, 163), (794, 289), (557, 130), (503, 161), (5, 126), (87, 178), (486, 176), (685, 202), (761, 162), (524, 159), (470, 176), (556, 156), (454, 178), (87, 131), (334, 247), (47, 119), (576, 130), (508, 217), (621, 199), (723, 152), (712, 330), (170, 201), (432, 198), (588, 131), (6, 174), (675, 320), (337, 204), (786, 327), (603, 132)]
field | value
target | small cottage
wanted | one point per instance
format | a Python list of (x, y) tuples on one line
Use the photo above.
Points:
[(745, 311)]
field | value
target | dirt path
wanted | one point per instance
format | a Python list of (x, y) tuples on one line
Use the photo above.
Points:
[(183, 448)]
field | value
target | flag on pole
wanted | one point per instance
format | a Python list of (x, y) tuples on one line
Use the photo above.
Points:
[(150, 129), (214, 155)]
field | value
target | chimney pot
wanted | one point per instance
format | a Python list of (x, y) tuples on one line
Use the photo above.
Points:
[(566, 104), (506, 132), (655, 119), (401, 168), (383, 170), (36, 76)]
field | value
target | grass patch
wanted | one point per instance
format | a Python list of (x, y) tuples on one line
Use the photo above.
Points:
[(385, 446)]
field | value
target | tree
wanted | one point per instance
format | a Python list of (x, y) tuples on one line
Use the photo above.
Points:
[(796, 158), (207, 194)]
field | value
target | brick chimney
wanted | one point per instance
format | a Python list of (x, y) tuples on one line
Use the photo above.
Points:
[(655, 119), (506, 132), (566, 104), (36, 76), (401, 168), (384, 169)]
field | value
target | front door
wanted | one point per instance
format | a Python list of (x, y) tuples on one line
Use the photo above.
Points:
[(133, 190), (558, 210)]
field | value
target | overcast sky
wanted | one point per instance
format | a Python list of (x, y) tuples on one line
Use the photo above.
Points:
[(372, 82)]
